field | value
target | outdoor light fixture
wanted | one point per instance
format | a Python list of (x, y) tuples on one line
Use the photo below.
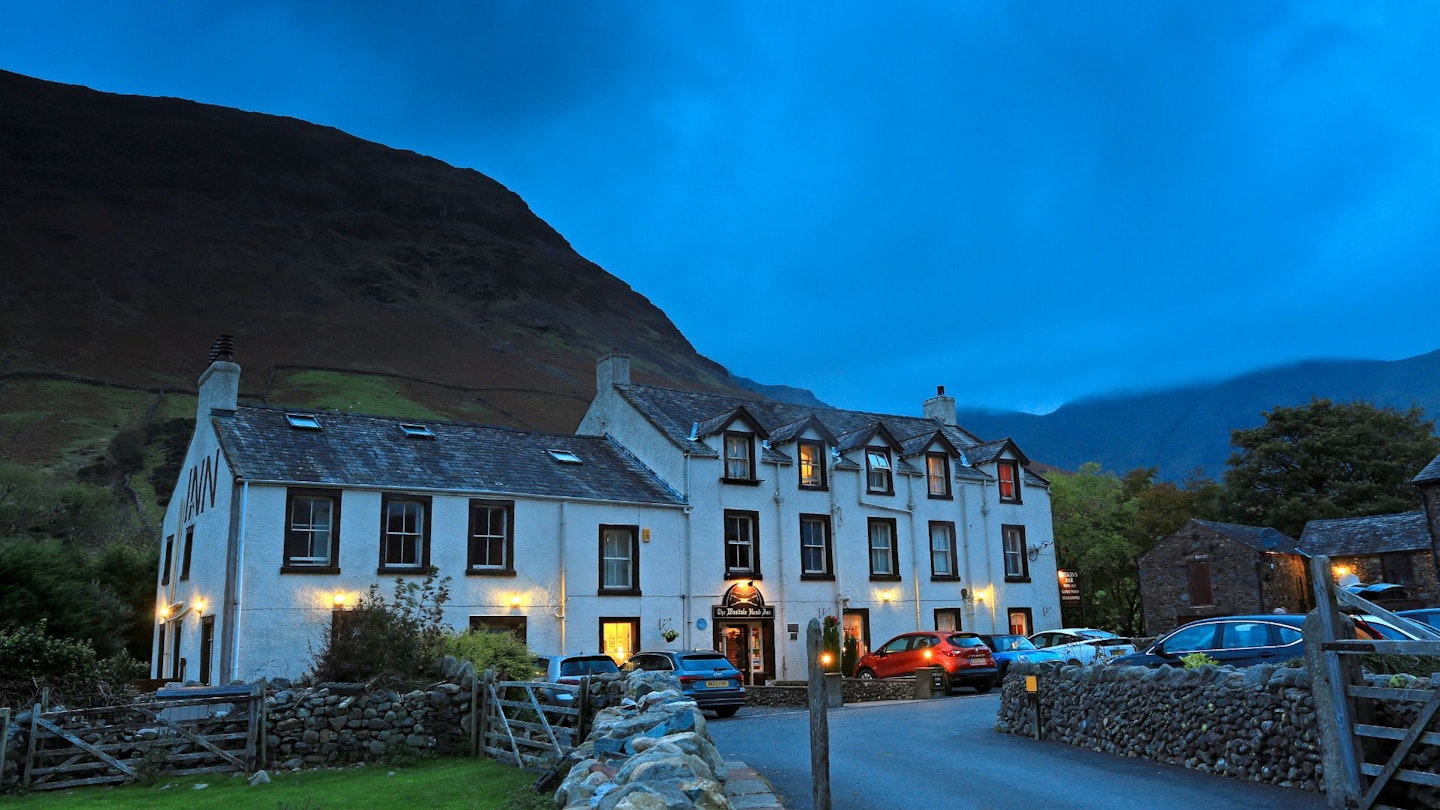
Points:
[(826, 658), (514, 600), (338, 600), (200, 607), (1340, 570)]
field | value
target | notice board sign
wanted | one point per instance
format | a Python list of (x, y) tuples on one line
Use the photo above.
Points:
[(1069, 586)]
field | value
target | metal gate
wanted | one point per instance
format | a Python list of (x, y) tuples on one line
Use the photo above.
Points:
[(1347, 708)]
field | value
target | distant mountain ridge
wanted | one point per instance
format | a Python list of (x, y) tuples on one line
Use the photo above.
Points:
[(1181, 429)]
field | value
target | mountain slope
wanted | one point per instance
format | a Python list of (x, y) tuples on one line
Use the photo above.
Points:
[(134, 230), (1185, 428)]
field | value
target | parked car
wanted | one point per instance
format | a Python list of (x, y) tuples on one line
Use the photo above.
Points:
[(1007, 648), (1083, 645), (965, 658), (1242, 641), (568, 669), (1426, 616), (705, 676)]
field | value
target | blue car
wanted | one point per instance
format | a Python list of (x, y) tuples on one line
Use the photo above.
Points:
[(1007, 648), (706, 677)]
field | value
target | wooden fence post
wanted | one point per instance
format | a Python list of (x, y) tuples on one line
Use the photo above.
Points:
[(474, 713), (4, 738), (30, 752), (1329, 677), (484, 719)]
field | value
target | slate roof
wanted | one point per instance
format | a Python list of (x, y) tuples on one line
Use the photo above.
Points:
[(372, 451), (1376, 534), (1430, 473), (1253, 536), (674, 412)]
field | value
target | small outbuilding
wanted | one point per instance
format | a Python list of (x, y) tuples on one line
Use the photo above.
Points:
[(1207, 568), (1393, 550)]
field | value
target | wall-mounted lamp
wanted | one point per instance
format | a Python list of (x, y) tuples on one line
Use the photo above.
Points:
[(338, 600), (981, 594), (1340, 570), (887, 596), (514, 600), (200, 607), (162, 612)]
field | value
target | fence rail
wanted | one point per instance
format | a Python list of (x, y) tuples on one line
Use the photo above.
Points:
[(531, 724)]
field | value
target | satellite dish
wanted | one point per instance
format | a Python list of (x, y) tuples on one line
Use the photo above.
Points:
[(1270, 538), (1349, 580)]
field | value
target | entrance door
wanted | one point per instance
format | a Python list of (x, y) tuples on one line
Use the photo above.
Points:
[(735, 638), (207, 647)]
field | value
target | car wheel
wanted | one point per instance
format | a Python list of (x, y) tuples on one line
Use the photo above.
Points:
[(727, 711), (945, 683), (984, 686), (865, 674)]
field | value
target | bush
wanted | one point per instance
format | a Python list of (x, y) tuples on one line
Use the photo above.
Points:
[(32, 660), (850, 657), (1196, 660), (503, 652), (403, 638)]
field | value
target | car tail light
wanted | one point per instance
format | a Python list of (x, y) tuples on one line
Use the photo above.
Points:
[(690, 678), (569, 680)]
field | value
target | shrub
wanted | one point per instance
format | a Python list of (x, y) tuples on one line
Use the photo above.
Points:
[(1196, 660), (503, 652), (850, 657), (403, 638), (830, 643), (31, 661)]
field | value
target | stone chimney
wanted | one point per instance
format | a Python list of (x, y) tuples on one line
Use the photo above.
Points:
[(940, 407), (610, 370), (220, 384)]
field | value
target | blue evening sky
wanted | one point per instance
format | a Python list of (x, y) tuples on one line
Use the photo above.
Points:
[(1028, 202)]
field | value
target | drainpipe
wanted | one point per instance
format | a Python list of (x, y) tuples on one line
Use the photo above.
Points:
[(914, 547), (561, 613), (239, 582), (780, 564), (989, 562), (965, 581), (689, 547)]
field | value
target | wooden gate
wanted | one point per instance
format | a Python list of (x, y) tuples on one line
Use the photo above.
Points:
[(117, 744), (1347, 708), (529, 724)]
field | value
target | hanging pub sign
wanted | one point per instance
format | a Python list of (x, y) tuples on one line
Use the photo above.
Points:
[(1069, 586), (742, 601)]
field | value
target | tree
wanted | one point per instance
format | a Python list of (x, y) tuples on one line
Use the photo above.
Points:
[(1323, 460)]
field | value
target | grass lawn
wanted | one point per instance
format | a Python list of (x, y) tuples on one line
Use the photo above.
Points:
[(474, 784)]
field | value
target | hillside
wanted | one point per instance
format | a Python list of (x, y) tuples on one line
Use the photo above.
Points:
[(134, 230), (1185, 428)]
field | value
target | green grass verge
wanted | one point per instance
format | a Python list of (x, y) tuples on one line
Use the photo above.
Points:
[(474, 784)]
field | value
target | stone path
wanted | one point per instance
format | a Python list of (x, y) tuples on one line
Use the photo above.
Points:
[(748, 790)]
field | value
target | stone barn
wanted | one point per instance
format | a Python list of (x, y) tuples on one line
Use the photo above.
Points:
[(1208, 568)]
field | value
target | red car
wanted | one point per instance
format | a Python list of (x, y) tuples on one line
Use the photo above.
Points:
[(966, 659)]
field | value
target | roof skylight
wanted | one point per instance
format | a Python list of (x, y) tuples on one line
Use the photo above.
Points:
[(303, 421), (415, 431), (565, 456)]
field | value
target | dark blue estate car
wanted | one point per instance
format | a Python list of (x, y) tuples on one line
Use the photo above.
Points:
[(705, 676), (1237, 641)]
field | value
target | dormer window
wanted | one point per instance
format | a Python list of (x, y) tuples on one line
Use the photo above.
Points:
[(937, 474), (878, 476), (303, 421), (812, 464), (1009, 475), (739, 457)]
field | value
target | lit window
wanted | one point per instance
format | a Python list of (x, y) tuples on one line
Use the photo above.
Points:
[(618, 637), (937, 474), (812, 465), (1009, 472), (877, 470)]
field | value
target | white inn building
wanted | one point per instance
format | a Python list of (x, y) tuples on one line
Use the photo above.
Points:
[(730, 521)]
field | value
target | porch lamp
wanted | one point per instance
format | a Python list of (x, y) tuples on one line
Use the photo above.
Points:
[(514, 600), (1340, 570), (338, 600), (200, 607)]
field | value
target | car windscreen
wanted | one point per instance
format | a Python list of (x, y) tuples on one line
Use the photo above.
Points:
[(1011, 643), (965, 641), (704, 663), (588, 666)]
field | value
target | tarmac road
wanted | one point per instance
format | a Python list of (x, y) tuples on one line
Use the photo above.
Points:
[(945, 753)]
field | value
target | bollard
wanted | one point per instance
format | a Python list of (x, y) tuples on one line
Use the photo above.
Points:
[(834, 695), (924, 685)]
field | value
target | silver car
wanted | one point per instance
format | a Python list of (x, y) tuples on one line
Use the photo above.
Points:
[(568, 669)]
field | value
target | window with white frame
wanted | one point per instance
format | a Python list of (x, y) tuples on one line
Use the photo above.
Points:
[(739, 457), (1017, 563), (492, 541), (312, 531), (942, 551), (883, 562), (742, 543), (404, 533), (816, 554), (619, 560), (878, 476)]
